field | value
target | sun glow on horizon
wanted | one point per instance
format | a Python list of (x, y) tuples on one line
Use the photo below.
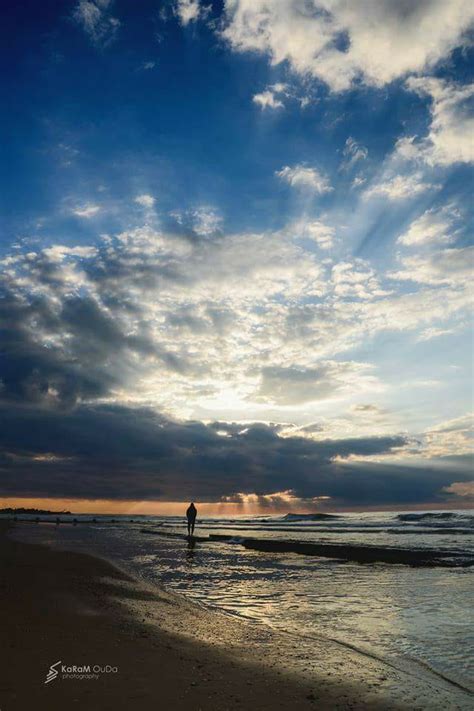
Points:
[(249, 507)]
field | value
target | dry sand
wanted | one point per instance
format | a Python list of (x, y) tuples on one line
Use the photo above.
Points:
[(172, 654)]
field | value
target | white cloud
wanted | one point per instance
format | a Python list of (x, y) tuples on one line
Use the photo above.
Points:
[(433, 227), (316, 230), (406, 148), (211, 310), (274, 96), (190, 11), (356, 280), (399, 187), (268, 100), (145, 200), (451, 438), (58, 252), (280, 88), (357, 421), (430, 333), (339, 41), (353, 152), (305, 178), (358, 181), (448, 266), (207, 221), (451, 133), (88, 210), (96, 21), (204, 220), (406, 312)]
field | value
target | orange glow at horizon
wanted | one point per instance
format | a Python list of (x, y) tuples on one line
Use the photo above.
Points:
[(172, 508), (107, 506)]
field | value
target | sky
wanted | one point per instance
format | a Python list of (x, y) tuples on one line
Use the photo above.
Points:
[(236, 254)]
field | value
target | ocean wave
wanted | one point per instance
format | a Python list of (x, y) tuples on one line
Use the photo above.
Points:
[(437, 516), (439, 531), (309, 517)]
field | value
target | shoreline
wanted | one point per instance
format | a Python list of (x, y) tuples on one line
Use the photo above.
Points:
[(171, 653)]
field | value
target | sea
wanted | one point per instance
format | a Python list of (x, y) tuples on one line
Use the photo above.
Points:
[(396, 585)]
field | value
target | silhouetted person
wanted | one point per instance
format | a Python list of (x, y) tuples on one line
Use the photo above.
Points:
[(191, 514)]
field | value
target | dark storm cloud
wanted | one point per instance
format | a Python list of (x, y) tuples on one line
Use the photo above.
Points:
[(123, 453), (30, 372), (65, 349)]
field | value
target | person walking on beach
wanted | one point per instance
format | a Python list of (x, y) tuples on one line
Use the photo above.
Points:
[(191, 514)]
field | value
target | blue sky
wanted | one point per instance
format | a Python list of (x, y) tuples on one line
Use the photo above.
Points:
[(257, 214)]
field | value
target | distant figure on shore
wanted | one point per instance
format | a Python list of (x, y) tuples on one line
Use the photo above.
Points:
[(191, 514)]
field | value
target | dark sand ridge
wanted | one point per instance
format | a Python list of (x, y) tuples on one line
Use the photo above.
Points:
[(423, 557), (170, 653)]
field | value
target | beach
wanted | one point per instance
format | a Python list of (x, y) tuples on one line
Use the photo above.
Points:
[(153, 649)]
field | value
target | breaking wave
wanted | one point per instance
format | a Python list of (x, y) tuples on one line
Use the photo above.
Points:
[(442, 516)]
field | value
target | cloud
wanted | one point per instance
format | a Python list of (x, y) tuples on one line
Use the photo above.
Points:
[(297, 385), (448, 266), (96, 21), (303, 177), (274, 95), (461, 489), (449, 139), (42, 373), (143, 315), (204, 220), (405, 312), (97, 340), (267, 100), (435, 226), (399, 187), (190, 11), (368, 408), (145, 200), (341, 43), (88, 210), (112, 452), (186, 317), (452, 438), (358, 181), (353, 152), (430, 333), (59, 252), (316, 230), (356, 280)]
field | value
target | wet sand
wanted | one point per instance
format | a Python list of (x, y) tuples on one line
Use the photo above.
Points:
[(172, 654)]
